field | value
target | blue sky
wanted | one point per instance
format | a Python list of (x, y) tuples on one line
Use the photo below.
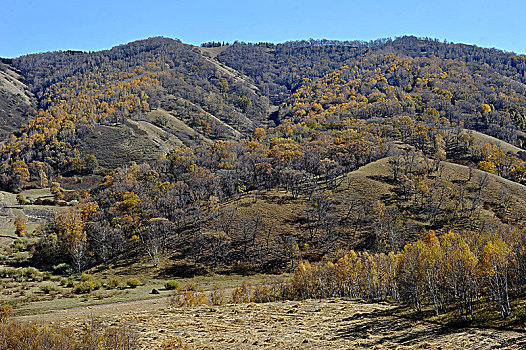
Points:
[(40, 26)]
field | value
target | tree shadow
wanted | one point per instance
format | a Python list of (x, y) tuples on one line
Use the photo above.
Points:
[(402, 332), (183, 270)]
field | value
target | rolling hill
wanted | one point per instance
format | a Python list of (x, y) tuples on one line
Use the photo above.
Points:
[(180, 94), (298, 116), (190, 134)]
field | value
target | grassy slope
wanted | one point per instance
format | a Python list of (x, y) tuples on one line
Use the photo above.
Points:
[(10, 81), (371, 182), (184, 110), (178, 127), (120, 144), (481, 138), (15, 98), (145, 139)]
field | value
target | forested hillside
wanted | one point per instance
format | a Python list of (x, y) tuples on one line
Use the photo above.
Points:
[(454, 79), (82, 96), (255, 157)]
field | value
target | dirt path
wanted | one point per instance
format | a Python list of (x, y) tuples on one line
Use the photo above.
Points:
[(332, 324)]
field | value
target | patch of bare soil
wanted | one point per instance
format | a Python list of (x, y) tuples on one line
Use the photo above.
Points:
[(328, 324)]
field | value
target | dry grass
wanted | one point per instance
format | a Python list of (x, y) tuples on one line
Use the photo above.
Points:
[(164, 140), (212, 52), (311, 324), (177, 126), (482, 139), (119, 144), (10, 81)]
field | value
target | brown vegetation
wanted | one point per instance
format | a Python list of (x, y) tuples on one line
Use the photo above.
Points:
[(309, 324)]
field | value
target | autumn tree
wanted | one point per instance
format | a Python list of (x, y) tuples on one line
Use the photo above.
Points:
[(69, 227), (20, 226), (496, 263), (56, 191), (20, 174), (154, 236)]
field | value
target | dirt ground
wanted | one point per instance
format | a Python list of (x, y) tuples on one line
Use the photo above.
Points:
[(328, 324)]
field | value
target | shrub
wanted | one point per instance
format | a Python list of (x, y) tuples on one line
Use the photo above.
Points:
[(21, 199), (19, 245), (242, 294), (29, 272), (47, 288), (26, 272), (217, 297), (189, 296), (62, 269), (113, 283), (261, 294), (171, 285), (86, 286), (83, 288), (18, 335), (70, 283), (133, 282), (7, 272), (86, 277)]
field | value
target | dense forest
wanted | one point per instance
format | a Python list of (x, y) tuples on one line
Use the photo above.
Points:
[(408, 151)]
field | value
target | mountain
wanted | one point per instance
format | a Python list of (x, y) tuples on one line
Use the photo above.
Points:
[(465, 77), (161, 136), (136, 101)]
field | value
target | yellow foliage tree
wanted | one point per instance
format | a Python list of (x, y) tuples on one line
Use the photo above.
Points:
[(20, 226)]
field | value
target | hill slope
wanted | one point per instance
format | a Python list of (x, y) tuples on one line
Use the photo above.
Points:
[(78, 91), (15, 101), (179, 93)]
